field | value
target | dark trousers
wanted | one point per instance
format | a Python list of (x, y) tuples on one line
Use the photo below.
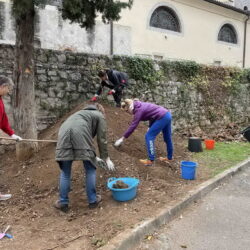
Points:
[(118, 97)]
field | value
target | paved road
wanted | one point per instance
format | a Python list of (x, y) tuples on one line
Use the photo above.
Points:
[(221, 221)]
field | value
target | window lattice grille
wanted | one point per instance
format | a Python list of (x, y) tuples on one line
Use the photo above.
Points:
[(227, 34), (165, 18)]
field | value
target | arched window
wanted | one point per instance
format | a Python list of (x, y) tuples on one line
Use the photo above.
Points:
[(228, 34), (165, 18)]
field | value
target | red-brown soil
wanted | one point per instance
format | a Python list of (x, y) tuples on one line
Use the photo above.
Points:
[(35, 224)]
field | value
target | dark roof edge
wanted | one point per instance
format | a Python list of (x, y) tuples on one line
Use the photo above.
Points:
[(229, 7)]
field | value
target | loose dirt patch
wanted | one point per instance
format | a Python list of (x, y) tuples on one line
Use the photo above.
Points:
[(34, 185)]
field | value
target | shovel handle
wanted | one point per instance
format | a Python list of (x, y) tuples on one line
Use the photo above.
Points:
[(6, 229), (28, 140)]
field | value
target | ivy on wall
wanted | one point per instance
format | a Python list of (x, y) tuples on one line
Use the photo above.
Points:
[(182, 71), (216, 84), (142, 69), (189, 72)]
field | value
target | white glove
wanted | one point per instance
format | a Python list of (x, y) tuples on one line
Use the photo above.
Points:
[(110, 164), (16, 137), (106, 165), (119, 142)]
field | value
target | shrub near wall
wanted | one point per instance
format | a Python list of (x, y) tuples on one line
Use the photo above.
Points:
[(221, 93), (197, 95)]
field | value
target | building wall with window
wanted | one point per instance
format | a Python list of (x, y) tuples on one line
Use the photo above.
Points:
[(196, 37), (159, 29)]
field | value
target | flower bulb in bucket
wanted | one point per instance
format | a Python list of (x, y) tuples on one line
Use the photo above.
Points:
[(124, 194)]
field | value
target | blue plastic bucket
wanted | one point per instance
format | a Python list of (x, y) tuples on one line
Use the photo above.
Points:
[(188, 169), (125, 194)]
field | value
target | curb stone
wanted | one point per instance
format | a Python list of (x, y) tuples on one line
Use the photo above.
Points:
[(128, 239)]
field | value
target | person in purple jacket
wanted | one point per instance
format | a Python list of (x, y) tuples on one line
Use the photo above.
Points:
[(159, 120)]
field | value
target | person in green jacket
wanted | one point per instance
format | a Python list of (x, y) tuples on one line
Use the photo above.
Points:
[(75, 143)]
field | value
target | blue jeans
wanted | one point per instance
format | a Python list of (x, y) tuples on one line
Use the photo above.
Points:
[(65, 181), (164, 125)]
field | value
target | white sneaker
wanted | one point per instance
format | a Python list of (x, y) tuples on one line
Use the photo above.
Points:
[(4, 197)]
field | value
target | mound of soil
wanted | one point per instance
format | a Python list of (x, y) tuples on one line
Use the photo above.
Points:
[(35, 224)]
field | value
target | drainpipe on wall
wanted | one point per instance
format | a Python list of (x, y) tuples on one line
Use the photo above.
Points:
[(111, 38), (245, 40)]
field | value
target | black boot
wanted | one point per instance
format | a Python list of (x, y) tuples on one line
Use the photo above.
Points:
[(63, 207), (95, 204)]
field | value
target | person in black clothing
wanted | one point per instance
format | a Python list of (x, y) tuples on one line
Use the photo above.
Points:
[(114, 80)]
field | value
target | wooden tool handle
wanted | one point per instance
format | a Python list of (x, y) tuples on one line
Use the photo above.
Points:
[(28, 140), (7, 228)]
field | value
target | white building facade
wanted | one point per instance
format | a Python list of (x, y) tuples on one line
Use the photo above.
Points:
[(206, 31)]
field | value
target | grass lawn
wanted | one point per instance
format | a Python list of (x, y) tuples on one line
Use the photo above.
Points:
[(223, 156)]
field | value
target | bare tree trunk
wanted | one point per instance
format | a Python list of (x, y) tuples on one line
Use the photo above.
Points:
[(24, 92)]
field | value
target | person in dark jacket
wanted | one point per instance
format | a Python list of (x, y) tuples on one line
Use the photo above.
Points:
[(75, 143), (6, 85), (159, 121), (114, 80)]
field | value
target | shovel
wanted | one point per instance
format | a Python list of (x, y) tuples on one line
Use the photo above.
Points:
[(28, 140), (4, 233)]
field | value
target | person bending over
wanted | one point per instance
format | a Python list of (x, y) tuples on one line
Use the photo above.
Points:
[(159, 121), (114, 80), (75, 143)]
